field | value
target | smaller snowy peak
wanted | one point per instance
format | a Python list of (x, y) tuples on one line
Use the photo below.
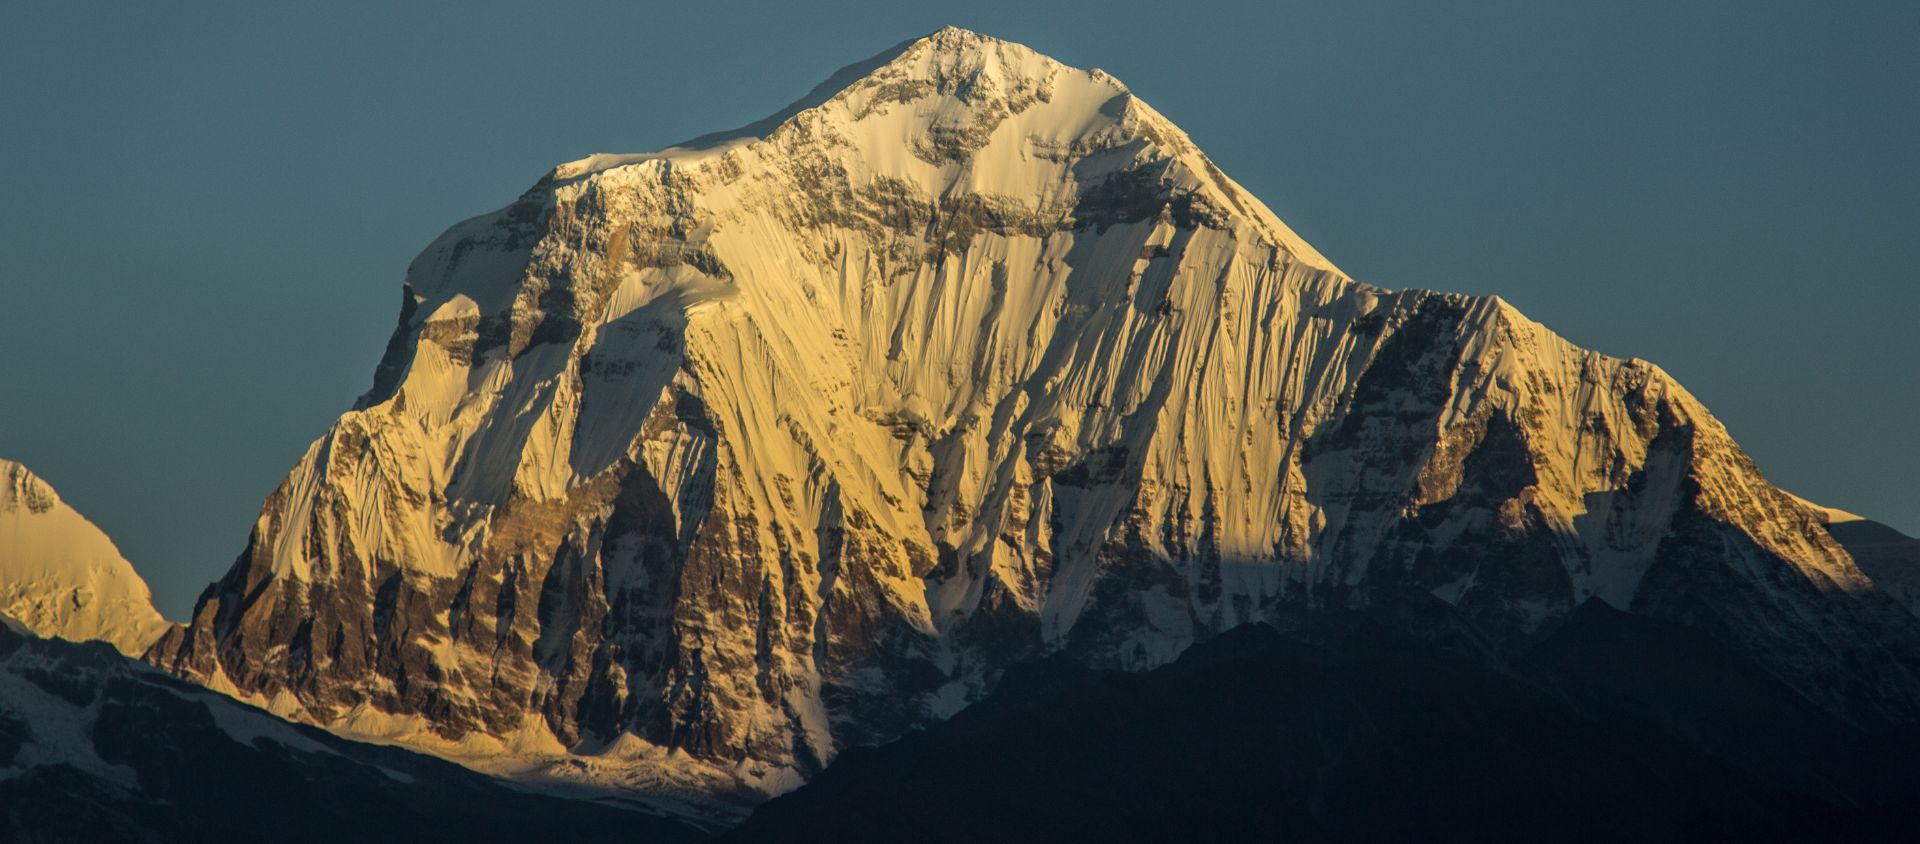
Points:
[(61, 576)]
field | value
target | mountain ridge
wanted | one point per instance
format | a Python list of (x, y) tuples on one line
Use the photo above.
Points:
[(94, 746), (690, 468)]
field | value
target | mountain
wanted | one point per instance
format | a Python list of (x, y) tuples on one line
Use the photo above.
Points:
[(97, 747), (60, 576), (688, 470), (1889, 558), (1345, 729)]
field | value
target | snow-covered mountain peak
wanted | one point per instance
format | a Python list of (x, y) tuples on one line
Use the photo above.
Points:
[(941, 98), (975, 67), (60, 576), (971, 72), (792, 437), (960, 117)]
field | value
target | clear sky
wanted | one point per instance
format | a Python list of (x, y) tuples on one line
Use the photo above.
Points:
[(206, 209)]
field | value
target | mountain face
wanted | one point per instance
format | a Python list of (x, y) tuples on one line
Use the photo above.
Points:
[(1889, 558), (690, 469), (1346, 729), (60, 576), (96, 747)]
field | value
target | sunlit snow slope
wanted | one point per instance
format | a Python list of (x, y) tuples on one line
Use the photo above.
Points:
[(715, 460), (60, 576)]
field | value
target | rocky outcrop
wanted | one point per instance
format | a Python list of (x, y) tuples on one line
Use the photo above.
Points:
[(717, 460)]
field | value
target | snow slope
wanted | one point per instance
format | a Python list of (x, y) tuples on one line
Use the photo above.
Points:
[(689, 469), (60, 576)]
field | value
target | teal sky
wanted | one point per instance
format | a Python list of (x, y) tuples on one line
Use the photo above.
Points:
[(206, 209)]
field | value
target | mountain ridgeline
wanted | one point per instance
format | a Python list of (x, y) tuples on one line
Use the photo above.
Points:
[(97, 747), (688, 470)]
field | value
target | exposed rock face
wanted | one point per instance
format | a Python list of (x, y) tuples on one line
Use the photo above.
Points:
[(60, 576), (788, 440)]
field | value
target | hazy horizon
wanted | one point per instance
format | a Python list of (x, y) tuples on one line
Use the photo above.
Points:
[(211, 211)]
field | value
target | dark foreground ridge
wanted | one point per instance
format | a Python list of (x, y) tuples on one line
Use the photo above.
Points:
[(1615, 728), (161, 760)]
